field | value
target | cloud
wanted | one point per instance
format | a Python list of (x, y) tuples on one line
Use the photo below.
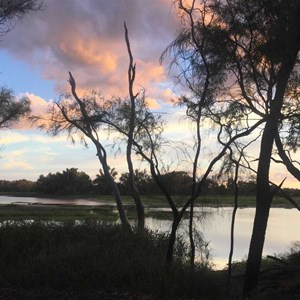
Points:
[(39, 107), (12, 137), (87, 37), (17, 165)]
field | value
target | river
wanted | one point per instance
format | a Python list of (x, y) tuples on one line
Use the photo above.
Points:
[(214, 225)]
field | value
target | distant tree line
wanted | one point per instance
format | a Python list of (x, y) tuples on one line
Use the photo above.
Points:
[(71, 181)]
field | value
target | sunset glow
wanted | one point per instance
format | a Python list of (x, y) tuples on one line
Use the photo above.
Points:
[(87, 38)]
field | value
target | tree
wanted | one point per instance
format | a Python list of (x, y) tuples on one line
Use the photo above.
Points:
[(198, 58), (70, 181), (12, 11), (255, 45), (11, 108), (84, 116), (131, 131), (101, 184), (143, 181)]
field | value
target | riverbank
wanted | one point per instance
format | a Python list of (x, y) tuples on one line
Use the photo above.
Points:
[(157, 200)]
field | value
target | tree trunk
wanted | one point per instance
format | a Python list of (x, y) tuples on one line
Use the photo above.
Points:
[(263, 203), (134, 191), (172, 240), (102, 158), (117, 196), (132, 123), (191, 236)]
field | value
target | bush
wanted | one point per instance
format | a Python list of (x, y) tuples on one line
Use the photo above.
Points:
[(95, 257)]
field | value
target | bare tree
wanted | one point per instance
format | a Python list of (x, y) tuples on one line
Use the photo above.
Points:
[(131, 131), (84, 116)]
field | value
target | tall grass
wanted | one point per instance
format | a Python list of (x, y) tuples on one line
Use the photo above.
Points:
[(98, 257)]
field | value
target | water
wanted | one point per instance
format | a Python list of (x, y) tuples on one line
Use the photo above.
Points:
[(33, 200), (214, 224), (282, 231)]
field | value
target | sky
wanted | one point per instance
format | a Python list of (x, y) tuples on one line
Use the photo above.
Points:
[(86, 38)]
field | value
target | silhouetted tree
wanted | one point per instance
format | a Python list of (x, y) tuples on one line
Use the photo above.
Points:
[(11, 108), (21, 185), (101, 184), (143, 181), (70, 181), (198, 59), (12, 11), (255, 45)]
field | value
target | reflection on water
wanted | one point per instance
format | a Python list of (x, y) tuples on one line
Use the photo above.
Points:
[(215, 226), (33, 200)]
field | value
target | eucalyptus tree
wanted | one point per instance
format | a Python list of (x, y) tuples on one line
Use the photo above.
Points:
[(258, 45)]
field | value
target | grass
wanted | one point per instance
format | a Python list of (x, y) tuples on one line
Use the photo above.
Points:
[(107, 212), (57, 213), (36, 256), (160, 201)]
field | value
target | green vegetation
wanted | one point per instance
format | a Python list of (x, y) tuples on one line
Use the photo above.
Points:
[(57, 213), (106, 259), (37, 256)]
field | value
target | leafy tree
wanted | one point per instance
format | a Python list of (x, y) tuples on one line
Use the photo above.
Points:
[(12, 11), (68, 182), (101, 184), (245, 55), (198, 59), (21, 185), (11, 108), (143, 181), (50, 184), (75, 182), (180, 182)]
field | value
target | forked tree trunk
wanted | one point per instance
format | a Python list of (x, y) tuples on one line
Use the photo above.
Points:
[(135, 193), (132, 123)]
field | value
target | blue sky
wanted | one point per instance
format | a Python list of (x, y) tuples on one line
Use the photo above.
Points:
[(21, 77), (87, 38)]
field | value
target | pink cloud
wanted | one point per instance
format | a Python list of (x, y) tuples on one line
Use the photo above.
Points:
[(87, 37)]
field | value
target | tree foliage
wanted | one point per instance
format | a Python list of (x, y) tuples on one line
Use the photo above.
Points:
[(11, 108), (70, 181), (243, 56), (101, 184), (12, 11)]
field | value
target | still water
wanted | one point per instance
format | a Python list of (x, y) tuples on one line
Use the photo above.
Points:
[(33, 200), (214, 225)]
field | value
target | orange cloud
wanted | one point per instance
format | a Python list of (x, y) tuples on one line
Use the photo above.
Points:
[(152, 103), (88, 51), (168, 96)]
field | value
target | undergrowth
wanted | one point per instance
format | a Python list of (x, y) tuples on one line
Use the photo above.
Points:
[(99, 257)]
